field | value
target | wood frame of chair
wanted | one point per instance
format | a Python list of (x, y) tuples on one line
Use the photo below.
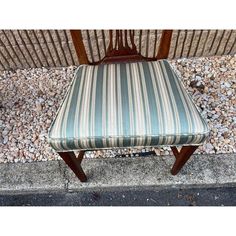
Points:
[(122, 48)]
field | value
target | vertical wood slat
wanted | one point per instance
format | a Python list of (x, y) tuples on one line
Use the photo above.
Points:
[(104, 42), (46, 44), (69, 48), (116, 39), (198, 42), (110, 46), (8, 64), (140, 40), (230, 51), (213, 41), (219, 43), (155, 44), (12, 48), (183, 44), (205, 42), (132, 34), (40, 47), (22, 53), (54, 47), (26, 48), (147, 42), (8, 54), (97, 44), (227, 41), (3, 67), (61, 47), (126, 39), (33, 46), (191, 43), (121, 45), (176, 44), (90, 46)]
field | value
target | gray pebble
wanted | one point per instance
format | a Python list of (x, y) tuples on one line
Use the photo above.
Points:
[(5, 140)]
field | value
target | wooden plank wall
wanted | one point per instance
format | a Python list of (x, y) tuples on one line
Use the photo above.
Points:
[(21, 49)]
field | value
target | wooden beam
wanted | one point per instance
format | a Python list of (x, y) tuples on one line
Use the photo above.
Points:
[(164, 46), (79, 46)]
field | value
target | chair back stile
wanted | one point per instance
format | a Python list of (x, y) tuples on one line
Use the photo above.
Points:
[(99, 47)]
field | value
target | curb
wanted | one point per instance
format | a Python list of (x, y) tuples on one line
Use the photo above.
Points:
[(119, 173)]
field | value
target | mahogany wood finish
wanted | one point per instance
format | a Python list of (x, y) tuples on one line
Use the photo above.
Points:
[(164, 47), (74, 163), (121, 51), (79, 46), (182, 157), (121, 47)]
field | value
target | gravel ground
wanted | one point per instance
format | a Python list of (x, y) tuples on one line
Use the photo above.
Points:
[(29, 100)]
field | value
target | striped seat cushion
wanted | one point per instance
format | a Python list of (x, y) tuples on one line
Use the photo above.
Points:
[(126, 105)]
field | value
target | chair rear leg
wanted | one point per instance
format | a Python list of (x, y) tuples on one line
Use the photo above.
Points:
[(74, 163), (182, 157)]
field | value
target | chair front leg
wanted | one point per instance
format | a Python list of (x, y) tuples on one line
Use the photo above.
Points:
[(74, 163), (182, 157)]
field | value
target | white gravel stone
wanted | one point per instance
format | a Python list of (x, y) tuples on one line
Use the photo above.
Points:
[(5, 140), (31, 149), (30, 99)]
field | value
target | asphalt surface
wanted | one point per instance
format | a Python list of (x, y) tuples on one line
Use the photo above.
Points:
[(224, 196)]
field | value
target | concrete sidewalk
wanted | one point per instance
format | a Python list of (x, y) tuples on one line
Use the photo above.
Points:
[(119, 173)]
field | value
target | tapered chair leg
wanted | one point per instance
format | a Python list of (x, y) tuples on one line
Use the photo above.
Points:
[(182, 157), (74, 163)]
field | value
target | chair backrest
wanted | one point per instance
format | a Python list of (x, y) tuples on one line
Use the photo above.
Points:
[(98, 46)]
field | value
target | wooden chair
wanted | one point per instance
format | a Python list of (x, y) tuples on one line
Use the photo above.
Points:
[(117, 49)]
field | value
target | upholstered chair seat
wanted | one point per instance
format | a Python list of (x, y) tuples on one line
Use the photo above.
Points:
[(126, 105)]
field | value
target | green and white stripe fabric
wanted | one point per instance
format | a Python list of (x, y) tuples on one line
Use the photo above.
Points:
[(126, 105)]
